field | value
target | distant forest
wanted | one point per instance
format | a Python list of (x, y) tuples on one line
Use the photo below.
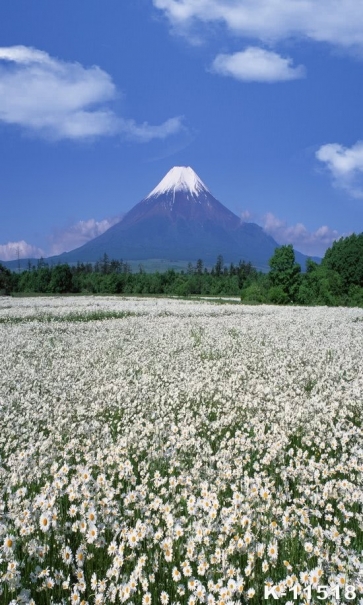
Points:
[(337, 281)]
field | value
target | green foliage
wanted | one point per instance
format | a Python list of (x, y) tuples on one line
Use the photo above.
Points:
[(219, 265), (115, 277), (337, 281), (5, 280), (355, 296), (346, 258), (253, 294), (69, 317), (320, 286), (61, 279), (277, 296), (285, 273)]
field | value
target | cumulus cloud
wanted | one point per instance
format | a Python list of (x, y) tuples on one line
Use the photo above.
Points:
[(145, 132), (21, 249), (332, 21), (258, 65), (63, 100), (345, 164), (246, 215), (308, 242), (313, 243), (69, 238), (61, 240)]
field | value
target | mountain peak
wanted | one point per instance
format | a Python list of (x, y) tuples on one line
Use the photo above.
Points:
[(180, 178)]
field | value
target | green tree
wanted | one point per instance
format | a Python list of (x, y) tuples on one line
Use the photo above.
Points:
[(190, 268), (199, 266), (254, 293), (43, 277), (61, 280), (320, 286), (355, 296), (5, 280), (182, 287), (246, 273), (218, 269), (277, 296), (155, 284), (346, 258), (105, 264), (285, 272)]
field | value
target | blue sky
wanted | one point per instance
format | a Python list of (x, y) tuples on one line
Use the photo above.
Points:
[(98, 100)]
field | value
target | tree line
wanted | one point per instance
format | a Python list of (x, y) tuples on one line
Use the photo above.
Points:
[(337, 280), (108, 276)]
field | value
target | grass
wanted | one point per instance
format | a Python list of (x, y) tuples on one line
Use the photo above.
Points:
[(70, 317)]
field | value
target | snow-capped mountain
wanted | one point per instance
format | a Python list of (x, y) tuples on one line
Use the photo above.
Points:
[(182, 197), (180, 220), (180, 178)]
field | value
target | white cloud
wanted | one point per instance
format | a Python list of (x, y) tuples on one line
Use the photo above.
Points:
[(21, 249), (246, 215), (332, 21), (258, 65), (78, 234), (345, 164), (313, 243), (145, 132), (62, 100), (25, 55), (309, 242), (342, 161), (61, 240)]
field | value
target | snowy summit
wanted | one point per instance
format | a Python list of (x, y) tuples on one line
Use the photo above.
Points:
[(180, 178)]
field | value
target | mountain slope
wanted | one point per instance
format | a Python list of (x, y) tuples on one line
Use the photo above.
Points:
[(180, 220)]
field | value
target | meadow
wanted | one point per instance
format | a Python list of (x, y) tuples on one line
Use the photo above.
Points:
[(177, 451)]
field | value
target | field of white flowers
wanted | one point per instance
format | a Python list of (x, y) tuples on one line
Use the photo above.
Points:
[(166, 451)]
